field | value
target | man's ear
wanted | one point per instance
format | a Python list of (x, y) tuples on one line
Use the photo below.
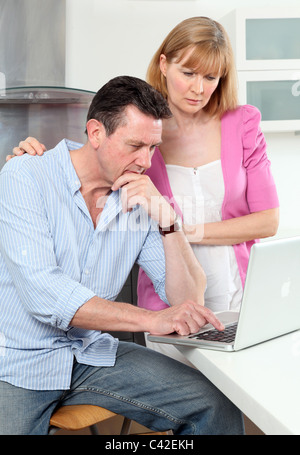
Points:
[(96, 132)]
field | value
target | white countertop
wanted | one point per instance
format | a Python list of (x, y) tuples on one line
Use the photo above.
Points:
[(263, 381)]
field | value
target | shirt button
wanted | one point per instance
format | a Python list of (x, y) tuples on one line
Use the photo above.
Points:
[(87, 272)]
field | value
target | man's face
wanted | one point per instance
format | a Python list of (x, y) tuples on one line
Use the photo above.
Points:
[(130, 147)]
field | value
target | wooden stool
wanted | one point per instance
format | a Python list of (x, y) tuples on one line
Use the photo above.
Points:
[(77, 417)]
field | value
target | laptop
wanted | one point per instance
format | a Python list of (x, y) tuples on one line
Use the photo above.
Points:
[(270, 305)]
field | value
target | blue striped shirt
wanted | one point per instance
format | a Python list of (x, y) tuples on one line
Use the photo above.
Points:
[(53, 260)]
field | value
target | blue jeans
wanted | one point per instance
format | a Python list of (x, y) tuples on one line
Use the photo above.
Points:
[(152, 389)]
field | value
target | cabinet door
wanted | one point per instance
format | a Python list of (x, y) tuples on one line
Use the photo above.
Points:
[(273, 39), (274, 99), (265, 38), (276, 94)]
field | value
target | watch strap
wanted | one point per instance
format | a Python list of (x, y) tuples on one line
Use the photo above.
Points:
[(175, 227)]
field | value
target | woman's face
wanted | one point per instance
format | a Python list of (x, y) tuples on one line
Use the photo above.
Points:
[(188, 90)]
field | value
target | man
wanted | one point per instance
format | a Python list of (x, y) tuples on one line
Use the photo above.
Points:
[(72, 225)]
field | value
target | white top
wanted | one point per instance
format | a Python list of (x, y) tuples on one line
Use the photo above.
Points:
[(199, 193)]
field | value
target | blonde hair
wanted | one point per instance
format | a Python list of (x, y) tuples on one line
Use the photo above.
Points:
[(212, 54)]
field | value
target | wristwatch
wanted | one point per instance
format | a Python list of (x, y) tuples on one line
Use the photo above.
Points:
[(177, 226)]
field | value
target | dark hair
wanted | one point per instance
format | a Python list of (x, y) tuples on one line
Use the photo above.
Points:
[(110, 102)]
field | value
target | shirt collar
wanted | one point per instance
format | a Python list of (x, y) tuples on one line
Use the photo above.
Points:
[(64, 147)]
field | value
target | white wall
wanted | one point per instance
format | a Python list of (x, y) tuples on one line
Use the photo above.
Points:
[(107, 38), (284, 154)]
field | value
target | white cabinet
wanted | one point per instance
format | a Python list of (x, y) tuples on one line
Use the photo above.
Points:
[(264, 39), (276, 94), (266, 44)]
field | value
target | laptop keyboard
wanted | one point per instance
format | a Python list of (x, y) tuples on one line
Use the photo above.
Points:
[(226, 336)]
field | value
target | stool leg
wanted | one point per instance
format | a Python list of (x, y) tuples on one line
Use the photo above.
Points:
[(126, 426), (94, 430)]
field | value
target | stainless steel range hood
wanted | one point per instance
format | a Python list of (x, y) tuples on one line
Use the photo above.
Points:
[(33, 99), (32, 42)]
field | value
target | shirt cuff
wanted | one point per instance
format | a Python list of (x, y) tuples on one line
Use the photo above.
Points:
[(70, 300)]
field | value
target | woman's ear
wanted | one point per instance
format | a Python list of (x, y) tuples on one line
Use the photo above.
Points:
[(163, 64), (95, 131)]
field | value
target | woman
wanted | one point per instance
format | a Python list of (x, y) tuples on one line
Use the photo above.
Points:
[(214, 149), (212, 162)]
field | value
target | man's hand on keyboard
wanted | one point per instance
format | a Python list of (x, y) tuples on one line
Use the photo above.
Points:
[(184, 319)]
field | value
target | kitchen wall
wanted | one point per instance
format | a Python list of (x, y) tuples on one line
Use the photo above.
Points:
[(108, 38)]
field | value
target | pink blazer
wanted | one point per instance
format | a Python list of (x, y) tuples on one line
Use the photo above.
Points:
[(249, 184)]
